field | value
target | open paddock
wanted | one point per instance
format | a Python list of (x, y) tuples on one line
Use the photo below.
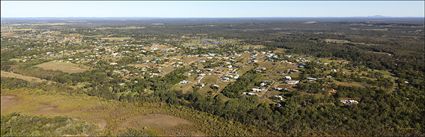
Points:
[(21, 77), (63, 66)]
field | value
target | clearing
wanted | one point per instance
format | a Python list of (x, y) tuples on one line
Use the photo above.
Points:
[(160, 122), (7, 102), (110, 116), (21, 77), (63, 66), (116, 38)]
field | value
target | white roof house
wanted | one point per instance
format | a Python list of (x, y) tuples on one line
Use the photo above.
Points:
[(256, 89), (292, 82), (349, 101), (249, 93), (183, 82)]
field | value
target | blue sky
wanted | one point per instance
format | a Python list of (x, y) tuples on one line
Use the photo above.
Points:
[(211, 8)]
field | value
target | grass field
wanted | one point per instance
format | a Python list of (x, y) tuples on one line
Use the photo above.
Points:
[(22, 77), (349, 84), (113, 117), (63, 66), (116, 38)]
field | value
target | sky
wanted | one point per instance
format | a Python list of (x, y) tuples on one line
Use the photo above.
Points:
[(211, 9)]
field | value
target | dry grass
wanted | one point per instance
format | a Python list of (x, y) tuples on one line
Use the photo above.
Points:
[(63, 66), (144, 65), (158, 121), (157, 46), (22, 77), (116, 38), (8, 102), (108, 115), (112, 117), (349, 84), (338, 41)]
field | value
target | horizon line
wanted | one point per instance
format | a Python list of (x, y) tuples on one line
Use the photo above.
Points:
[(239, 17)]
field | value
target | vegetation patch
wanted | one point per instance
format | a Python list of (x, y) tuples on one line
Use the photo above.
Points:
[(63, 66), (16, 124), (21, 77), (113, 117)]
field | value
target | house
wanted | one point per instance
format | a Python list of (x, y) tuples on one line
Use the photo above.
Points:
[(301, 65), (278, 97), (249, 93), (280, 88), (215, 86), (235, 76), (292, 82), (260, 69), (224, 78), (311, 79), (200, 85), (256, 90), (349, 102), (183, 82), (278, 105)]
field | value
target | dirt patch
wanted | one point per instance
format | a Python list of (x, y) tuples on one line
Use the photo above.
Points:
[(161, 124), (47, 109), (116, 38), (22, 77), (63, 66), (8, 101), (337, 41), (156, 121), (349, 84), (101, 123), (7, 34)]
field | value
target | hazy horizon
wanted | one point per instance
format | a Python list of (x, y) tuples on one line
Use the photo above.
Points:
[(211, 9)]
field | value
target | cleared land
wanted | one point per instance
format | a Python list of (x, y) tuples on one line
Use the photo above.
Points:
[(22, 77), (63, 66), (113, 117), (8, 102), (116, 38)]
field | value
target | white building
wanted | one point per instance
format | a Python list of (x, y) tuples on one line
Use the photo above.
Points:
[(183, 82), (292, 82), (349, 101), (288, 78)]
